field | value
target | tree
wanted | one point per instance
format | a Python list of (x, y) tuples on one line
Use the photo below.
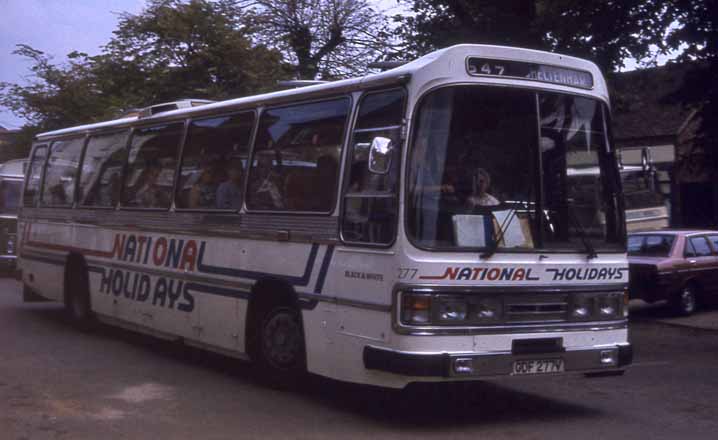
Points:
[(199, 48), (323, 38), (173, 49), (605, 31), (696, 35), (56, 94)]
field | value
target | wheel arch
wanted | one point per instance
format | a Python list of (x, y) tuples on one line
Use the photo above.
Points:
[(74, 264), (266, 293)]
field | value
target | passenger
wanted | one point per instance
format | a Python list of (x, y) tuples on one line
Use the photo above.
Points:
[(108, 194), (229, 193), (57, 195), (264, 185), (150, 194), (203, 193), (480, 197)]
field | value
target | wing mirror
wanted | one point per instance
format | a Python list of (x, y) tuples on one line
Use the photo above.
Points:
[(380, 154)]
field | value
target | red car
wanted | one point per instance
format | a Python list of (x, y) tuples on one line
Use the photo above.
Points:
[(678, 266)]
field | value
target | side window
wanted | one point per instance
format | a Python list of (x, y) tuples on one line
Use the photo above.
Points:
[(690, 250), (701, 246), (59, 184), (714, 241), (214, 162), (295, 165), (659, 245), (101, 175), (151, 166), (370, 198), (34, 176)]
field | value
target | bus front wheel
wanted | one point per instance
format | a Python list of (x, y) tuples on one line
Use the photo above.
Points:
[(281, 347)]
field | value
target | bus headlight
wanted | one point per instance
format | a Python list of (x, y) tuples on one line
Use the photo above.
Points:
[(415, 309), (609, 306), (581, 307), (488, 309), (452, 309)]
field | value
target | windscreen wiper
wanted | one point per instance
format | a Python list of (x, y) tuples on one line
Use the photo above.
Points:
[(500, 236), (590, 250), (505, 226)]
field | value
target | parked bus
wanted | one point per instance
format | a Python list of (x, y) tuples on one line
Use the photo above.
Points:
[(646, 208), (412, 225), (12, 174)]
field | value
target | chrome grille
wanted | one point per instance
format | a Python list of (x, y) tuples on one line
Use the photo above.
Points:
[(536, 308)]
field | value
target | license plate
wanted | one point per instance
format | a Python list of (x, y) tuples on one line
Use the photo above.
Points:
[(538, 366)]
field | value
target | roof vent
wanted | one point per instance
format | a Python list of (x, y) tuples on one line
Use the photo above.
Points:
[(169, 106)]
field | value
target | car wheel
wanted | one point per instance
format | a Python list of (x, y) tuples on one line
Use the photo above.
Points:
[(685, 302)]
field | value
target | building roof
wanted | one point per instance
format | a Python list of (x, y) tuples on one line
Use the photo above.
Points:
[(644, 105)]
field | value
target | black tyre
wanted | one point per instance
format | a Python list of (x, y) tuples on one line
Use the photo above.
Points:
[(77, 296), (281, 353), (685, 301)]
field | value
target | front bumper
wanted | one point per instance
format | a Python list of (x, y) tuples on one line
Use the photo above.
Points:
[(586, 360)]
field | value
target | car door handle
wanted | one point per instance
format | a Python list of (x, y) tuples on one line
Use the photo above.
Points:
[(692, 261)]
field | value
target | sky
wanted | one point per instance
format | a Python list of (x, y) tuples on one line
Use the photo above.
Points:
[(58, 27)]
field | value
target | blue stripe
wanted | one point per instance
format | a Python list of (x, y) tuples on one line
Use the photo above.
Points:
[(325, 267), (221, 291), (252, 275)]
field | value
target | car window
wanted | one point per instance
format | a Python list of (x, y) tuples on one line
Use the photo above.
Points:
[(700, 246), (635, 243), (714, 241), (658, 245)]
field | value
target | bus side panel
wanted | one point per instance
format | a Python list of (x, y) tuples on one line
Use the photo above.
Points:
[(333, 353), (360, 282), (44, 272), (100, 281), (44, 278)]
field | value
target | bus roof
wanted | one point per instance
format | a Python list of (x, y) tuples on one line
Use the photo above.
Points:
[(440, 64)]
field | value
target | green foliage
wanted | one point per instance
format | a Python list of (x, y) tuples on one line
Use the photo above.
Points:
[(57, 94), (173, 49), (197, 49), (605, 31)]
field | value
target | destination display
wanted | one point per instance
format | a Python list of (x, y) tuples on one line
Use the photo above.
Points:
[(532, 71)]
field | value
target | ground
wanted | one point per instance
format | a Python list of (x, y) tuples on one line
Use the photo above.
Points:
[(57, 382)]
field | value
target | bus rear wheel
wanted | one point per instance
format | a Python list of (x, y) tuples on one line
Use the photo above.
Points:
[(77, 296), (281, 348)]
